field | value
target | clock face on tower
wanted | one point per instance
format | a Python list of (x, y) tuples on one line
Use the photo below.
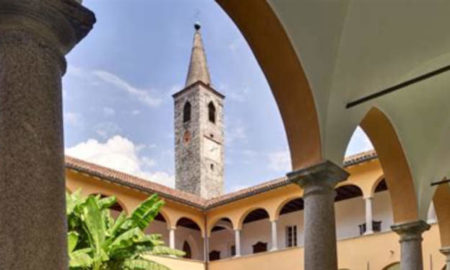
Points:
[(211, 149)]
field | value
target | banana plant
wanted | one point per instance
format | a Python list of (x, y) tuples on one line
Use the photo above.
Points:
[(96, 241)]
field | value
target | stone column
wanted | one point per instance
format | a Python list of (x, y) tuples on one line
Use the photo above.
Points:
[(172, 237), (274, 235), (237, 242), (34, 38), (369, 215), (411, 243), (318, 183), (446, 252)]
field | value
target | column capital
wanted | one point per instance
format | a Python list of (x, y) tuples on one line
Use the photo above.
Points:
[(445, 251), (324, 174), (410, 231), (60, 24)]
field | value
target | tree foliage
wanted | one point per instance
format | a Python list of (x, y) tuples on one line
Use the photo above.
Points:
[(97, 241)]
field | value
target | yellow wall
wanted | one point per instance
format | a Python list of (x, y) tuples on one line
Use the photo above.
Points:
[(380, 250), (178, 264)]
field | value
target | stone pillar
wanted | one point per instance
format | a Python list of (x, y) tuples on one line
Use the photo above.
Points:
[(34, 38), (369, 215), (172, 237), (318, 183), (237, 242), (446, 252), (274, 235), (411, 243)]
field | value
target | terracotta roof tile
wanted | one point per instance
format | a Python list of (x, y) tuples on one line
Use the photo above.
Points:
[(133, 182), (187, 198)]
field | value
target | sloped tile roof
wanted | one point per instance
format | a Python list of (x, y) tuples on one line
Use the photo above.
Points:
[(147, 186)]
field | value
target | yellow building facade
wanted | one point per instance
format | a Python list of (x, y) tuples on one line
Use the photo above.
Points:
[(261, 227)]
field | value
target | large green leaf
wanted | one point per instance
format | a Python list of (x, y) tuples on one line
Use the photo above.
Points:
[(146, 212), (80, 259), (95, 228), (98, 242), (72, 240)]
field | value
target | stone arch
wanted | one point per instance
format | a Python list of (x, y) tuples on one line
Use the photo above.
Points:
[(212, 223), (166, 218), (279, 61), (441, 202), (395, 166), (244, 215), (283, 204), (375, 185), (193, 220), (348, 190)]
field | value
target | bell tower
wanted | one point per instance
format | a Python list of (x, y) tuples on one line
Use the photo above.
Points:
[(199, 129)]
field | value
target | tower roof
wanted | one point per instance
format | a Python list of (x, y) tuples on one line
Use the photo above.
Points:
[(198, 68)]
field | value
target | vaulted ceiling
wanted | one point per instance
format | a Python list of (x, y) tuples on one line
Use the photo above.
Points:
[(348, 50)]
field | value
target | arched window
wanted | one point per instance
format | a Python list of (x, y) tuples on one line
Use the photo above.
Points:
[(187, 112), (187, 250), (212, 112)]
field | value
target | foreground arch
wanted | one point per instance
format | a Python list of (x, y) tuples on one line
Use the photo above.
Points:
[(285, 75), (395, 166), (441, 202)]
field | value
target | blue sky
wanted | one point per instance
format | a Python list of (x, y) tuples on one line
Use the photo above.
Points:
[(118, 109)]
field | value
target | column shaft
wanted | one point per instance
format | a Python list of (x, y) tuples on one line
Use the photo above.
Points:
[(274, 235), (172, 238), (318, 184), (237, 242), (369, 215), (34, 36), (411, 243)]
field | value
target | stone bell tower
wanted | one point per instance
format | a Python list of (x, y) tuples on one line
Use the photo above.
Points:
[(199, 132)]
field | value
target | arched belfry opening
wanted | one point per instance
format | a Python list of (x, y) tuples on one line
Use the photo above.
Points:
[(187, 112), (212, 112)]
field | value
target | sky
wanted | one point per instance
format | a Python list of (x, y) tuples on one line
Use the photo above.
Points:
[(118, 108)]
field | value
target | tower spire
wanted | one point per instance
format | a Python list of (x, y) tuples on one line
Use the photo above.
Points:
[(198, 68)]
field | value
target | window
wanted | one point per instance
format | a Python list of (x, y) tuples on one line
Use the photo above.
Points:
[(187, 250), (211, 166), (259, 247), (214, 255), (212, 112), (291, 236), (233, 250), (187, 112)]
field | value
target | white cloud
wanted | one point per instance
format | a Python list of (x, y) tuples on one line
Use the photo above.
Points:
[(358, 143), (142, 95), (107, 111), (135, 112), (73, 119), (280, 161), (120, 154), (107, 129)]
